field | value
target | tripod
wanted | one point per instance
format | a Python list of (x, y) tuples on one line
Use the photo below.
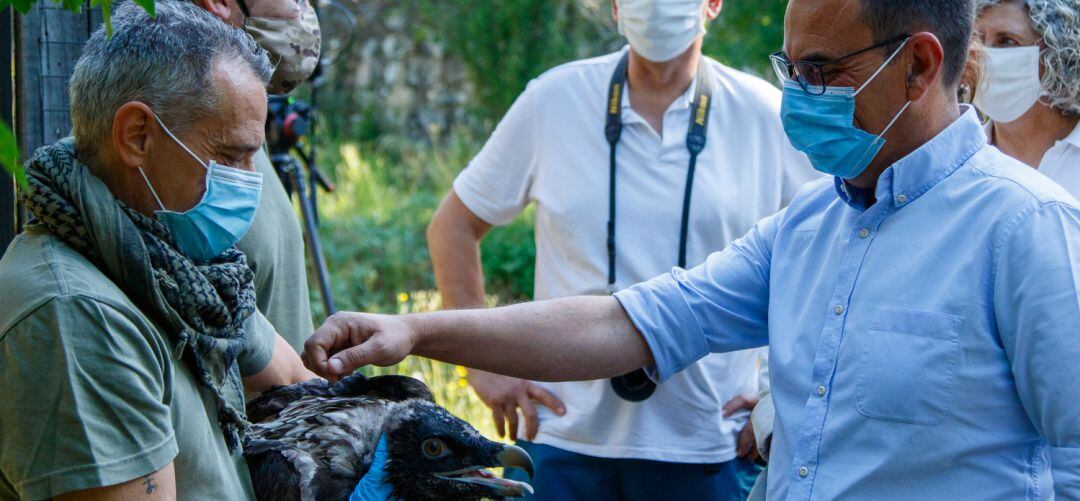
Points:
[(291, 172)]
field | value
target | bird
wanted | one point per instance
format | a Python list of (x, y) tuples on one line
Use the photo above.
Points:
[(315, 440)]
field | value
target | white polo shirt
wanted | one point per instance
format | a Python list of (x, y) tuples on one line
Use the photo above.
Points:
[(1061, 163), (550, 150)]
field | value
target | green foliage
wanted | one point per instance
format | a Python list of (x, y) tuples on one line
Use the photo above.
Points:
[(9, 155), (374, 226), (746, 33), (504, 44)]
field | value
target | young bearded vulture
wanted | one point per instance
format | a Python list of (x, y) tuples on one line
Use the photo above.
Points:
[(315, 441)]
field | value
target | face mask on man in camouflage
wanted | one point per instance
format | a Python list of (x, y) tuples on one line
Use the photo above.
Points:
[(293, 45)]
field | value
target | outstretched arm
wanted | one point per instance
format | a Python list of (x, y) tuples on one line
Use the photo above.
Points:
[(577, 338)]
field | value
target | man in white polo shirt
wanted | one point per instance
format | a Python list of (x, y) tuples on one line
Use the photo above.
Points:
[(637, 161)]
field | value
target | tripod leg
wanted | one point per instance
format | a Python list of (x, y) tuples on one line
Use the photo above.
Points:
[(311, 238)]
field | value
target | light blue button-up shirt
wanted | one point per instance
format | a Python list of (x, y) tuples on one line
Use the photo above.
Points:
[(924, 347)]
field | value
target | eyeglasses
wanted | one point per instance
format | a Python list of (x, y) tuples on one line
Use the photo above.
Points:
[(810, 75)]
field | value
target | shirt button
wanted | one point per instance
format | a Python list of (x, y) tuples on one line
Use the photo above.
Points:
[(821, 391), (863, 233), (839, 310), (901, 199), (804, 472)]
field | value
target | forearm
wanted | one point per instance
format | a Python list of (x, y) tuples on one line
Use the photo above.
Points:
[(578, 338), (285, 368), (454, 243)]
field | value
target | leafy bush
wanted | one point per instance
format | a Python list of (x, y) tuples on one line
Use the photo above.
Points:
[(373, 227)]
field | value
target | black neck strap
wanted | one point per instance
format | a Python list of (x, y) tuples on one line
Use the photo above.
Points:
[(695, 143)]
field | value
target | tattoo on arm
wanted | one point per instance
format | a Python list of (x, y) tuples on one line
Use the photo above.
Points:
[(148, 482)]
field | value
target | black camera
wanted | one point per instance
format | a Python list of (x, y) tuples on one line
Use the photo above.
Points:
[(287, 120)]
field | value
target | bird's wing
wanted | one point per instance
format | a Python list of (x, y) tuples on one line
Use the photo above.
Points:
[(392, 388), (275, 470), (269, 403), (321, 444)]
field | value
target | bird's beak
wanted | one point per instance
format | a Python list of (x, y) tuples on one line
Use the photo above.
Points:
[(513, 456)]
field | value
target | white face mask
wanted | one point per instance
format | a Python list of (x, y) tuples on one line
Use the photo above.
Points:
[(661, 30), (1011, 85)]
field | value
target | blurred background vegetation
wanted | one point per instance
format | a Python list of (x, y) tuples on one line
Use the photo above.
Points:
[(411, 102)]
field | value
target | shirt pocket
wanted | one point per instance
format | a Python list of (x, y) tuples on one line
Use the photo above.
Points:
[(907, 368)]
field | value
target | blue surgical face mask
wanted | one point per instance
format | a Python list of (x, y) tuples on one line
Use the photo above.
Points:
[(223, 215), (823, 127)]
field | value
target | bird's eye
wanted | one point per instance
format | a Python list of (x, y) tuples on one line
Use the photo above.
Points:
[(434, 448)]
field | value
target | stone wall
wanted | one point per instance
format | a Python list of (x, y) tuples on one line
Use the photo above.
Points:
[(395, 78)]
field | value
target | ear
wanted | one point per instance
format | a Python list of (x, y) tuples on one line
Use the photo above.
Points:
[(924, 70), (713, 8), (615, 10), (131, 134), (221, 9)]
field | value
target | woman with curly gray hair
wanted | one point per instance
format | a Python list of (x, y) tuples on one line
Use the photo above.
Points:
[(1030, 83)]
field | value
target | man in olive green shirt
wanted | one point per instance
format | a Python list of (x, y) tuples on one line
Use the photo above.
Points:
[(92, 393), (128, 322)]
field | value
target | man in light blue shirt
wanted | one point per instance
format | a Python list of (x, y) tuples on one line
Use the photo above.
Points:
[(922, 307)]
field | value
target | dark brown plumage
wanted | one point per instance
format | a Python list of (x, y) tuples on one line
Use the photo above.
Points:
[(315, 440)]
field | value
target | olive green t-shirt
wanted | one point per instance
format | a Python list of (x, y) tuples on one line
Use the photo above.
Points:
[(91, 393), (275, 250)]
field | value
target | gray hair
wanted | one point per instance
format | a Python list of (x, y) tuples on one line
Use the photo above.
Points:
[(1058, 23), (951, 21), (163, 61)]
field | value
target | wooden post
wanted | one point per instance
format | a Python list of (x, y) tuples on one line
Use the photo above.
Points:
[(47, 44), (50, 41)]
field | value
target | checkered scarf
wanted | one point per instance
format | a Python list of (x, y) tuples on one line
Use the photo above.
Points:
[(203, 305)]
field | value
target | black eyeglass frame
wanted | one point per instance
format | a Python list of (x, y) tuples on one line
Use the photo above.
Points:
[(787, 70)]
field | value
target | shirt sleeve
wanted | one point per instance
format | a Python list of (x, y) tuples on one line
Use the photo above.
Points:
[(496, 184), (86, 393), (1037, 300), (721, 305), (258, 345)]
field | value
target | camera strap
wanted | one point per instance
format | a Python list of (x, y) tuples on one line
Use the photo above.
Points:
[(636, 386), (695, 143)]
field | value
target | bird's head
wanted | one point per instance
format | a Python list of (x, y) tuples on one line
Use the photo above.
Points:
[(434, 455)]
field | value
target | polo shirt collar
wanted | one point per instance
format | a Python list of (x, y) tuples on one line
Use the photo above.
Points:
[(918, 172), (682, 102), (1074, 137)]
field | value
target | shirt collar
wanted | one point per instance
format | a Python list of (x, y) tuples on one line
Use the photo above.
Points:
[(683, 102), (912, 176), (1074, 137)]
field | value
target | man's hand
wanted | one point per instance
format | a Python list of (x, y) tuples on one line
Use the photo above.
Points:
[(747, 447), (348, 341), (506, 394)]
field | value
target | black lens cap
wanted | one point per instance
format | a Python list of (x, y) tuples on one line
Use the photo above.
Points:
[(634, 386)]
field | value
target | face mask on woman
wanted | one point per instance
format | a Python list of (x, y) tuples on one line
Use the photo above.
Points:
[(1010, 85), (661, 30)]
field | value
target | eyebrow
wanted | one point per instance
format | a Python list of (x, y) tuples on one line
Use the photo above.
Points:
[(816, 57), (242, 148)]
